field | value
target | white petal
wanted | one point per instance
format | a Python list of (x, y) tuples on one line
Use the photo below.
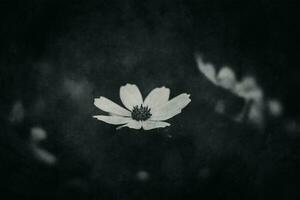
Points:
[(110, 107), (226, 78), (44, 156), (148, 125), (130, 96), (249, 89), (113, 119), (246, 85), (37, 134), (132, 124), (157, 97), (207, 69), (171, 108), (275, 107)]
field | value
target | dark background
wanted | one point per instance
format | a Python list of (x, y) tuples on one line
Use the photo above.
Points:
[(46, 46)]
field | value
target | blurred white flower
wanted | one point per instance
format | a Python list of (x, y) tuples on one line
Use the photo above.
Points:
[(247, 88), (148, 114), (275, 107), (37, 135)]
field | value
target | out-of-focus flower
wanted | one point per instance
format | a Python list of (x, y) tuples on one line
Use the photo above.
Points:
[(37, 135), (148, 114), (275, 107), (247, 88)]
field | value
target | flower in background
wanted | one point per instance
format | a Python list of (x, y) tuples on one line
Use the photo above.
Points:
[(207, 69), (247, 88), (253, 94), (225, 78), (147, 114), (37, 135), (275, 107)]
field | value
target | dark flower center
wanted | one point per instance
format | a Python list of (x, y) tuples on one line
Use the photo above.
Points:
[(140, 113)]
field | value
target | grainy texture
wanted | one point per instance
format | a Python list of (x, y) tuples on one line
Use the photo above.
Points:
[(57, 56)]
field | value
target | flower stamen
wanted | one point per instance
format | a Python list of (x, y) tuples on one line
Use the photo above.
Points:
[(141, 113)]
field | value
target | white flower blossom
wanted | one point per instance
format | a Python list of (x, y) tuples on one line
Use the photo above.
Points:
[(247, 88), (147, 114)]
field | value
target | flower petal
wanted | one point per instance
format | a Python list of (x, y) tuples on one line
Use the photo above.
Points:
[(110, 107), (113, 119), (130, 96), (207, 69), (157, 97), (132, 124), (148, 125), (226, 78), (249, 89), (171, 108)]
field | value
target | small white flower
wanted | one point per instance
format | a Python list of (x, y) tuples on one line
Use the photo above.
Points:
[(148, 114)]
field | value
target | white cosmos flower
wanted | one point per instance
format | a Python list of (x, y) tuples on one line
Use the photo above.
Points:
[(147, 114)]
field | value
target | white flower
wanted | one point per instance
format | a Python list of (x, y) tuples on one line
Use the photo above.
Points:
[(148, 114), (247, 88)]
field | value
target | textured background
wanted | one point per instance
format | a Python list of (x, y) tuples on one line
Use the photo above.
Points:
[(57, 56)]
